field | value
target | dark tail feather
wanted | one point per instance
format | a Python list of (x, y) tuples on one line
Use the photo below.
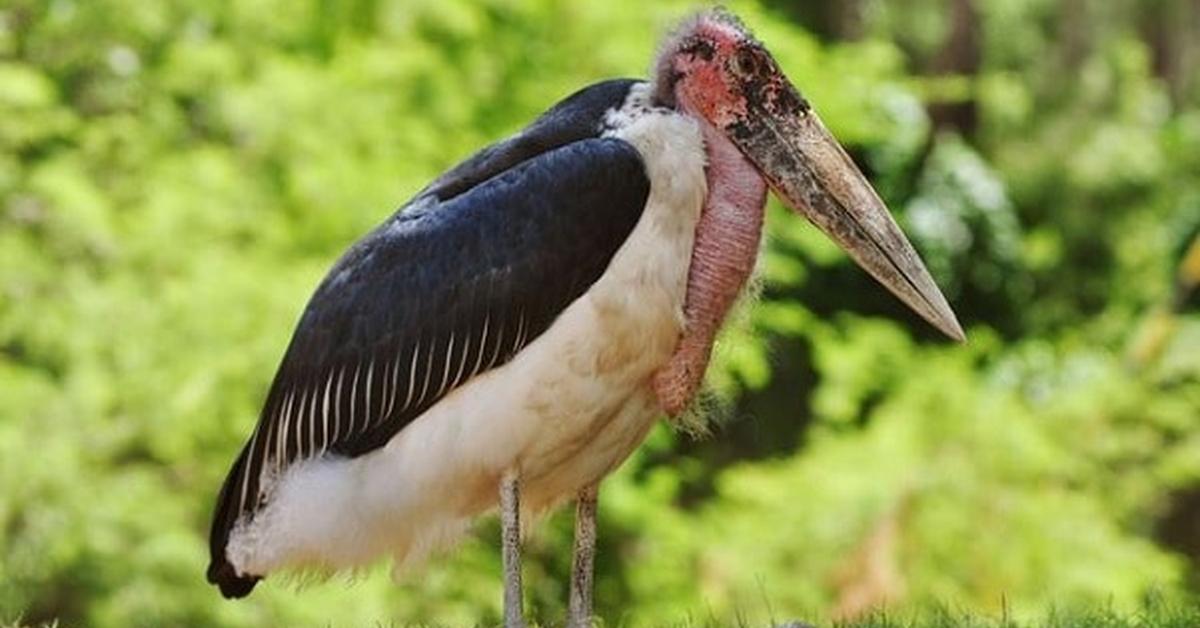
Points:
[(220, 570)]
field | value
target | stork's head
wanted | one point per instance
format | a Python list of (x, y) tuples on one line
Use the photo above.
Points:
[(713, 69)]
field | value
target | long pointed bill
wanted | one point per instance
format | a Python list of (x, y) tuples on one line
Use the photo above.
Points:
[(813, 175)]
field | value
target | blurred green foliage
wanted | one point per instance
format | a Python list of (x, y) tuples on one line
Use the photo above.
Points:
[(175, 177)]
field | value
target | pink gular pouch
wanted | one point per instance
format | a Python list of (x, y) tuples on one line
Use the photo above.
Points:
[(723, 257)]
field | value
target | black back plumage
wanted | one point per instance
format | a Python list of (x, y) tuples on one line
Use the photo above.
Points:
[(476, 267)]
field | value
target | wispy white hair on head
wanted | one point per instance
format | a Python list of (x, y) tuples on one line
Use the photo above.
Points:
[(683, 35)]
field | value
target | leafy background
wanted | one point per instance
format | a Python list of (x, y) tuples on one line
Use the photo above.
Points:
[(175, 177)]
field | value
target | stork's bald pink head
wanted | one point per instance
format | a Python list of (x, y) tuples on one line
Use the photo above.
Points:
[(713, 69)]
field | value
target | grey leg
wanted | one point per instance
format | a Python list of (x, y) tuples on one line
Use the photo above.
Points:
[(582, 563), (510, 535)]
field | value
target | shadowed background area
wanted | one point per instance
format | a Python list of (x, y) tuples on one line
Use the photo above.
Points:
[(176, 176)]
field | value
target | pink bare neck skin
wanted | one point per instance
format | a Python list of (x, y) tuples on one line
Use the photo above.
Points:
[(723, 256)]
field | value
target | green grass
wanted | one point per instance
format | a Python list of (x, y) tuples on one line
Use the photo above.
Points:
[(1155, 614), (1158, 615)]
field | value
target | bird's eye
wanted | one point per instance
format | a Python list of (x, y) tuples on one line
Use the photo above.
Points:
[(746, 62)]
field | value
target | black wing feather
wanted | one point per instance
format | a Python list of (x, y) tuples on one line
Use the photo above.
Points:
[(440, 292)]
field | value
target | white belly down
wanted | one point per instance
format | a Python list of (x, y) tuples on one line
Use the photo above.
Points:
[(563, 413)]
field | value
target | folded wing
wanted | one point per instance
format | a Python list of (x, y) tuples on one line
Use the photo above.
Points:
[(442, 291)]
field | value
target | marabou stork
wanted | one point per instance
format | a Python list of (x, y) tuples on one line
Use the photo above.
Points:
[(511, 333)]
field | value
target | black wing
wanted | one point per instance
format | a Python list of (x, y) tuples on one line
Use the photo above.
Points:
[(441, 292)]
